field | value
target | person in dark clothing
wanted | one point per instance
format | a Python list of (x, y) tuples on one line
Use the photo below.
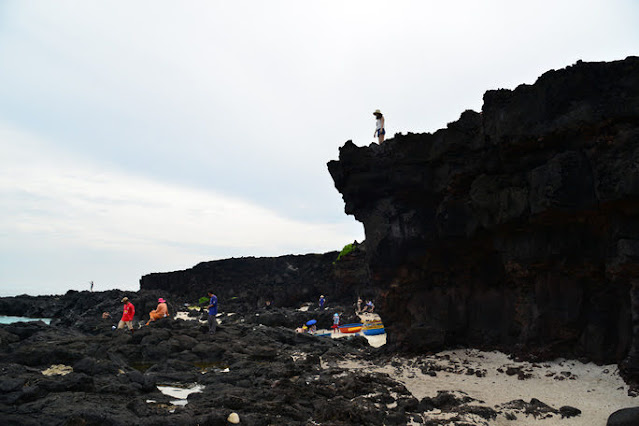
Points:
[(212, 312)]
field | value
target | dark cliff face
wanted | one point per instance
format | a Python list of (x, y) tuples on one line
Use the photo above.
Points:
[(249, 282), (516, 227)]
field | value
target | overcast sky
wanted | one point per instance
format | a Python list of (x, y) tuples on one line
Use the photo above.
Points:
[(148, 136)]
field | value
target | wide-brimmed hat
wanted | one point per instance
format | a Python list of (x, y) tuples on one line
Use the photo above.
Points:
[(160, 300), (377, 112), (125, 299)]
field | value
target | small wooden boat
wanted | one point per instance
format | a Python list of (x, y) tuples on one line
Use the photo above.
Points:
[(350, 328), (374, 331), (373, 326)]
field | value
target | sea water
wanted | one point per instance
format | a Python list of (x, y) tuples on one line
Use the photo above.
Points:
[(10, 320)]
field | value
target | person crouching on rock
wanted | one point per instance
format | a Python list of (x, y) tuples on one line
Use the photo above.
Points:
[(160, 312), (369, 307), (127, 315), (212, 312)]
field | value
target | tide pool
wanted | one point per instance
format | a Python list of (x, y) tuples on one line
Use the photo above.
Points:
[(10, 320)]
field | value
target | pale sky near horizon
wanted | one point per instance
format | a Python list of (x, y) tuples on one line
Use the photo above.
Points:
[(149, 136)]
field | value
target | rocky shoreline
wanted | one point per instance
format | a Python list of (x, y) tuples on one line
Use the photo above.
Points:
[(79, 371)]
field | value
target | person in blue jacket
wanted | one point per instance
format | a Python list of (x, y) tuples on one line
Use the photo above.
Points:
[(322, 301), (212, 312)]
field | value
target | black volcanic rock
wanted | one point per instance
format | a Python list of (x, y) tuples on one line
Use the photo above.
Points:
[(513, 228), (269, 374), (244, 284), (624, 417)]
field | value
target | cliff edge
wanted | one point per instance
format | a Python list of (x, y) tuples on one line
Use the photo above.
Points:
[(514, 228)]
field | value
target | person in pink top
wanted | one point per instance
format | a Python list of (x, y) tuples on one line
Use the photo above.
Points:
[(127, 315), (160, 312)]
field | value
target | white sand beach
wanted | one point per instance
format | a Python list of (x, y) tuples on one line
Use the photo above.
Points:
[(493, 379), (597, 391)]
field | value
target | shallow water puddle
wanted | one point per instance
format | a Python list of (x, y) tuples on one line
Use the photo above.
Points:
[(180, 392), (212, 367)]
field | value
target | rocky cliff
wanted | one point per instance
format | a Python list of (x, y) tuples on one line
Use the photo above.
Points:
[(516, 227), (249, 282)]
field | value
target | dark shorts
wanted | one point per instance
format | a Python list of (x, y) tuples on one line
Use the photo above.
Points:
[(381, 132), (212, 324)]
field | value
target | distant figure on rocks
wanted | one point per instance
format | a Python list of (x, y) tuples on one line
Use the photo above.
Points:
[(322, 301), (359, 304), (92, 286), (127, 315), (212, 312), (160, 311), (379, 126)]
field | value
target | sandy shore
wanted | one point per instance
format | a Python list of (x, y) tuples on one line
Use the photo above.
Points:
[(494, 380), (597, 391)]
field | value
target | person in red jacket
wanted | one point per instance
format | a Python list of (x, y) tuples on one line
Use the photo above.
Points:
[(127, 314)]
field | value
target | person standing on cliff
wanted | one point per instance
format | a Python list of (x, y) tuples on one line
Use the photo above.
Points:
[(127, 315), (379, 126), (322, 301), (212, 312)]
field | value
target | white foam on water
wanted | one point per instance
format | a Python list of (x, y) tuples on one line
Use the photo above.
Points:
[(4, 319)]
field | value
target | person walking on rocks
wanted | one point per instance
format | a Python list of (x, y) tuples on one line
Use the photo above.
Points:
[(127, 315), (160, 311), (212, 312), (322, 301), (379, 126)]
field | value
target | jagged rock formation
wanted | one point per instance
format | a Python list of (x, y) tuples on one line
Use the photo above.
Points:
[(516, 227), (250, 282)]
